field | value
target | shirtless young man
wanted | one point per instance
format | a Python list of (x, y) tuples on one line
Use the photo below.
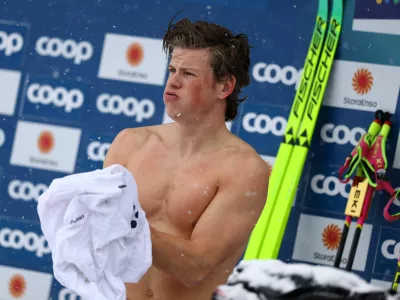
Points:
[(201, 187)]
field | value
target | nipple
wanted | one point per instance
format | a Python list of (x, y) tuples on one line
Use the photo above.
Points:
[(150, 292)]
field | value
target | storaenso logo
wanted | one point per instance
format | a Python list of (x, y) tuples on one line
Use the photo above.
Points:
[(263, 124), (310, 63), (11, 43), (341, 134), (25, 190), (362, 81), (97, 151), (331, 239), (30, 241), (130, 107), (273, 73), (360, 102), (58, 96), (329, 185), (390, 249), (66, 294), (362, 84), (322, 73), (69, 49)]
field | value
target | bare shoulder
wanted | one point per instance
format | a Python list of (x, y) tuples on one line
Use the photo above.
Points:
[(126, 142), (242, 161)]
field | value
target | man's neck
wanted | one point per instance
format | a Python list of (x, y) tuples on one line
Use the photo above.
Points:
[(197, 136)]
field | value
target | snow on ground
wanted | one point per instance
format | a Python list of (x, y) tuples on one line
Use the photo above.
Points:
[(251, 277)]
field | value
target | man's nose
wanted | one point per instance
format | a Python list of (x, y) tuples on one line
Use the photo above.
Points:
[(174, 81)]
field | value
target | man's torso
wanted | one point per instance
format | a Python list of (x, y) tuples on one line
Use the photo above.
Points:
[(173, 195)]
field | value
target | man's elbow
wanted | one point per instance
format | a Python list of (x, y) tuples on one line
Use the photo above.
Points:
[(190, 282), (193, 280), (197, 275)]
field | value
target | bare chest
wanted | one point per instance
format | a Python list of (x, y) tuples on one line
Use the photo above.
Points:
[(174, 196)]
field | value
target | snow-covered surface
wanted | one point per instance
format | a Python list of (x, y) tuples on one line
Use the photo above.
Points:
[(280, 278)]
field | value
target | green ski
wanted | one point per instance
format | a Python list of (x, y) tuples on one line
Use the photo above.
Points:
[(294, 120), (266, 238)]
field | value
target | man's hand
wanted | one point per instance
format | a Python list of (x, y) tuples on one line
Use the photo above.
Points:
[(175, 256)]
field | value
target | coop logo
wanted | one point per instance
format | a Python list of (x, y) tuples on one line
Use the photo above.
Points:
[(362, 81), (17, 286), (2, 137), (97, 151), (135, 54), (25, 190), (390, 249), (130, 107), (69, 49), (264, 124), (58, 96), (329, 185), (341, 134), (331, 237), (66, 294), (10, 43), (30, 241), (273, 73)]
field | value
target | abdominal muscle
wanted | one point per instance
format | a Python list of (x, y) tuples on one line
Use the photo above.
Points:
[(158, 285)]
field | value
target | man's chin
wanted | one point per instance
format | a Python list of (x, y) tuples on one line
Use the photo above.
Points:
[(168, 117), (172, 116)]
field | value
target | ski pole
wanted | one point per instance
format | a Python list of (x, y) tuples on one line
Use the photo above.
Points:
[(373, 163), (343, 238), (352, 162), (347, 223), (378, 163), (360, 223)]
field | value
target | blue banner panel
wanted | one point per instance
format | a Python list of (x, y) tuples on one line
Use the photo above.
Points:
[(73, 74)]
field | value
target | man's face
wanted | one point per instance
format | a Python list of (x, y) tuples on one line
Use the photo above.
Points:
[(191, 90)]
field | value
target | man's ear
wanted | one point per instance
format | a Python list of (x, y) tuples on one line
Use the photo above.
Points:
[(227, 85)]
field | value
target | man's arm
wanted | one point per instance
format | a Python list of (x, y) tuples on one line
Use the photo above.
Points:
[(223, 228)]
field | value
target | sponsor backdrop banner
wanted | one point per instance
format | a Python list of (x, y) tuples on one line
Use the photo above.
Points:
[(75, 73)]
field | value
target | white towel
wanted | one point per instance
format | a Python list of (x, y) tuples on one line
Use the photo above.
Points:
[(97, 232)]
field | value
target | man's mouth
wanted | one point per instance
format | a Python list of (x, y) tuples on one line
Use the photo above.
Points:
[(171, 96)]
